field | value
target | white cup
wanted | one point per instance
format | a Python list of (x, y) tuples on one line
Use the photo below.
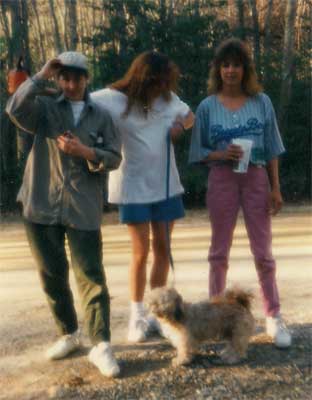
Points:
[(242, 165)]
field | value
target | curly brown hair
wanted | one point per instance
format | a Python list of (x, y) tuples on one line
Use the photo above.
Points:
[(151, 74), (234, 49)]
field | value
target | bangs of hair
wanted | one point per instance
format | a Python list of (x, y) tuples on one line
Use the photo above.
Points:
[(232, 52), (147, 73)]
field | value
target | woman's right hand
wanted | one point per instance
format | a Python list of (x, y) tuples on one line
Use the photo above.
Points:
[(233, 153)]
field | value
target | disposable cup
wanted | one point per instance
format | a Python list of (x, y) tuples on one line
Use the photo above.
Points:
[(242, 165)]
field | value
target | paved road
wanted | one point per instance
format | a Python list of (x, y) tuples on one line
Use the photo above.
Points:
[(25, 323)]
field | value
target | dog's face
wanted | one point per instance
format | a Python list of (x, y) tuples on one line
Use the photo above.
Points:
[(166, 303)]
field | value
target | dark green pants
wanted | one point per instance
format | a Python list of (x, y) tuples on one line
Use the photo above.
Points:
[(47, 244)]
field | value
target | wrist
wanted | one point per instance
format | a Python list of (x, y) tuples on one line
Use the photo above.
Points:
[(89, 153), (221, 155), (275, 186), (179, 125), (217, 156), (41, 75)]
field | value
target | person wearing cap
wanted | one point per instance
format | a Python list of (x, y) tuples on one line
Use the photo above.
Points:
[(75, 141)]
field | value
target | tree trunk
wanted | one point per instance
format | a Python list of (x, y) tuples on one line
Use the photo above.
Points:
[(25, 34), (82, 11), (8, 164), (56, 31), (240, 19), (71, 23), (93, 42), (10, 168), (15, 42), (41, 44), (256, 33), (288, 58), (267, 46), (122, 33), (6, 30)]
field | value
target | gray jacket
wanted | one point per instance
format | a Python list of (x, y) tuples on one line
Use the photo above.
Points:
[(59, 188)]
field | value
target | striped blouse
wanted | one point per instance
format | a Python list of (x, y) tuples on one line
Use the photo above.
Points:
[(215, 127)]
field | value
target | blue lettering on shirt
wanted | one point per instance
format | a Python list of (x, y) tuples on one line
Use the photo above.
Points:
[(252, 127)]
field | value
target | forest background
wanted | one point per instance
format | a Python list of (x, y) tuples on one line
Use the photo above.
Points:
[(112, 32)]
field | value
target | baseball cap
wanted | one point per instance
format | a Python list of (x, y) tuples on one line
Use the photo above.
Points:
[(73, 59)]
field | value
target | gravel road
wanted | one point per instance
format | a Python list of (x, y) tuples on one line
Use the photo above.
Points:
[(26, 328)]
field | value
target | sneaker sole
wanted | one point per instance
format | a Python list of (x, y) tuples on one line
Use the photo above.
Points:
[(53, 358)]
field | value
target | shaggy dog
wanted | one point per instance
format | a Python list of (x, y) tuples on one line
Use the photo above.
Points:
[(225, 317)]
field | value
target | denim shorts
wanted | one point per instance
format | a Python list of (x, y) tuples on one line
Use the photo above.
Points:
[(165, 210)]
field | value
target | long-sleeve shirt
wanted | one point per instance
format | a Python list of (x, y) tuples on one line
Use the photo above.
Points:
[(59, 188), (215, 127)]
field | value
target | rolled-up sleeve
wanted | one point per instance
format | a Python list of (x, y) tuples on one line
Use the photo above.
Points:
[(107, 148), (24, 107), (273, 144), (200, 145)]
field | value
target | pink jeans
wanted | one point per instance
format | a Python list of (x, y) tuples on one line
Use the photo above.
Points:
[(227, 192)]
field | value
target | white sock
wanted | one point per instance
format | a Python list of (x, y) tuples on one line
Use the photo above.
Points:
[(137, 309), (103, 345)]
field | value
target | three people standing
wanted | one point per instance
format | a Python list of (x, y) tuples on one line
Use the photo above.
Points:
[(75, 140)]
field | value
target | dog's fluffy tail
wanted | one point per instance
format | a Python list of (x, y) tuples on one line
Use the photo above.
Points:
[(238, 296)]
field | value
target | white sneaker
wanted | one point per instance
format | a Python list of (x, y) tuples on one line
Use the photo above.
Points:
[(64, 346), (277, 329), (138, 329), (103, 358)]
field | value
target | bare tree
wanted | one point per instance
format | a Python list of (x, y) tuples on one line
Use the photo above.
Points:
[(256, 33), (122, 33), (19, 40), (241, 18), (288, 58), (40, 32), (56, 31), (6, 29), (267, 45), (71, 23)]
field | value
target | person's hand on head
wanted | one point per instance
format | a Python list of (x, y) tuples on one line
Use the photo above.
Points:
[(50, 69)]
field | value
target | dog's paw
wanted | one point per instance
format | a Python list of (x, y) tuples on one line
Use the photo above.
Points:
[(230, 358), (178, 361)]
